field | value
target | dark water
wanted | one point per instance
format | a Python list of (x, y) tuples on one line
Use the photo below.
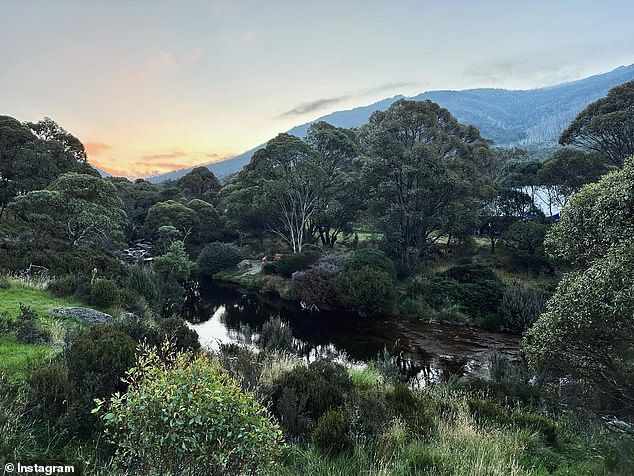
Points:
[(430, 351)]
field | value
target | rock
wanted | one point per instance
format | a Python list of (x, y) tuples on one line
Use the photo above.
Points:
[(244, 264), (86, 314)]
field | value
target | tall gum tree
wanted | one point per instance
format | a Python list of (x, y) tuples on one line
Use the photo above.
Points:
[(422, 174)]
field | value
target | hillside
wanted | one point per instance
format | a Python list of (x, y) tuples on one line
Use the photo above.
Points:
[(531, 118)]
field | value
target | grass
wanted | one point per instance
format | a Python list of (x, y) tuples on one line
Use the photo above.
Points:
[(38, 300), (16, 359)]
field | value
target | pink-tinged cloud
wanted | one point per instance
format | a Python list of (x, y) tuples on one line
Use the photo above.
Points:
[(95, 148)]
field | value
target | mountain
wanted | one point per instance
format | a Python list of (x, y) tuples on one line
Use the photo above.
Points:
[(532, 118)]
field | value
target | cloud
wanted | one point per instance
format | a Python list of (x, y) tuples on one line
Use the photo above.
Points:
[(312, 106), (169, 155), (389, 86), (213, 155), (319, 104), (95, 148)]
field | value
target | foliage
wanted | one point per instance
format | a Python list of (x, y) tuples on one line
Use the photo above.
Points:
[(587, 330), (216, 257), (290, 263), (599, 216), (276, 335), (169, 213), (199, 184), (82, 209), (175, 262), (177, 332), (420, 169), (179, 412), (302, 395), (521, 306), (606, 126), (316, 287), (526, 241), (98, 358), (331, 433), (365, 290), (50, 390), (374, 259), (104, 293)]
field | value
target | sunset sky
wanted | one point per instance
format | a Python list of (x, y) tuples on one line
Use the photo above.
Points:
[(152, 86)]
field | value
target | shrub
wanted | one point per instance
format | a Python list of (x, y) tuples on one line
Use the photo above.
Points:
[(331, 434), (302, 395), (276, 335), (368, 414), (50, 390), (133, 302), (217, 256), (98, 358), (521, 306), (375, 259), (179, 414), (470, 273), (365, 290), (176, 331), (143, 279), (316, 287), (104, 293), (26, 329), (4, 282), (64, 286), (292, 262)]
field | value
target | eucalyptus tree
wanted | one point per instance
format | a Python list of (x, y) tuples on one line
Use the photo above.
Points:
[(606, 126), (422, 174)]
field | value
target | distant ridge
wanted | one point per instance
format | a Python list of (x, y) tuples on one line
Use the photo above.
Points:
[(532, 118)]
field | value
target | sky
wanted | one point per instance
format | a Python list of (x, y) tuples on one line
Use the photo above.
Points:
[(152, 86)]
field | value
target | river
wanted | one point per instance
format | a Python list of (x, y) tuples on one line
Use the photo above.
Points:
[(429, 351)]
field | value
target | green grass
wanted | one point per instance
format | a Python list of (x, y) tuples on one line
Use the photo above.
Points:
[(16, 359), (38, 300)]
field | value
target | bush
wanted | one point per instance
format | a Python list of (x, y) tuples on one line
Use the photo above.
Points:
[(142, 280), (521, 306), (302, 395), (179, 414), (64, 286), (4, 282), (316, 287), (470, 273), (292, 262), (374, 259), (365, 290), (176, 331), (104, 293), (331, 434), (50, 390), (368, 414), (276, 335), (217, 256), (26, 329), (98, 358)]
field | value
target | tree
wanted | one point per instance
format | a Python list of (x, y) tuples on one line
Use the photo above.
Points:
[(342, 198), (82, 209), (419, 168), (598, 217), (520, 173), (200, 184), (288, 177), (50, 131), (587, 331), (606, 126), (526, 241), (169, 213), (567, 170)]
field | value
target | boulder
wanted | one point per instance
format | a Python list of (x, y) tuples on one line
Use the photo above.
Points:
[(85, 314)]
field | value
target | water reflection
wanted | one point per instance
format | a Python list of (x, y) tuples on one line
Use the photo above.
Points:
[(425, 351)]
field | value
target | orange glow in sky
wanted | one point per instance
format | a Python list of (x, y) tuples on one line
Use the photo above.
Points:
[(151, 86)]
